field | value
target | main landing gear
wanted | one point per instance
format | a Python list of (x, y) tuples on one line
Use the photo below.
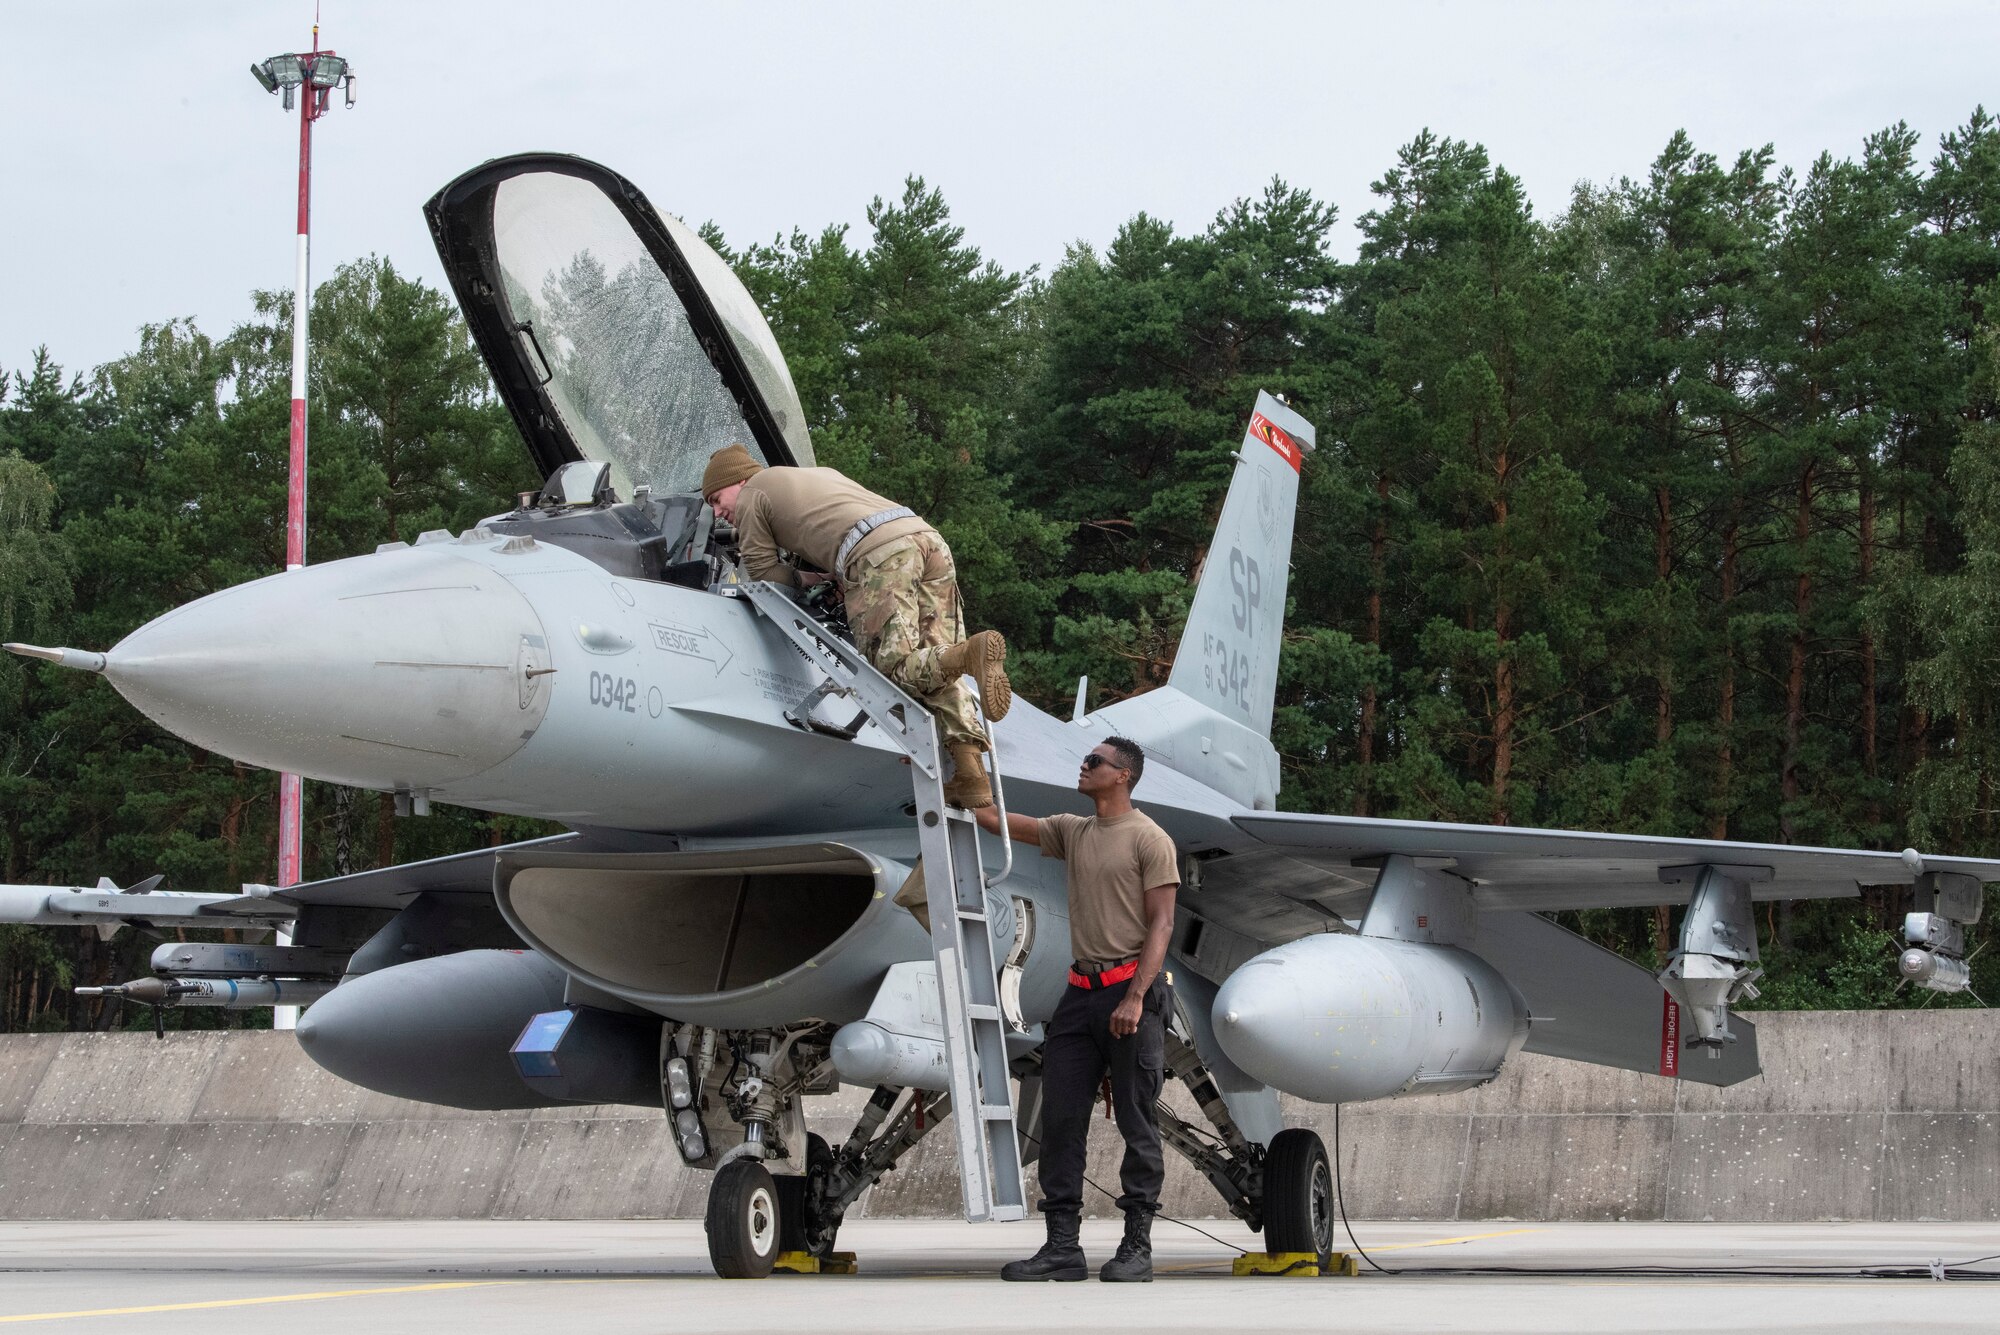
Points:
[(1284, 1189), (759, 1221), (1298, 1194)]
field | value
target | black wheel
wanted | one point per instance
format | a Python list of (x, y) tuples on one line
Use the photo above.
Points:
[(744, 1220), (1298, 1194), (802, 1226)]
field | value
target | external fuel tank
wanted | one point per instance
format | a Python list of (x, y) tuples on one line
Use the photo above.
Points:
[(1337, 1018)]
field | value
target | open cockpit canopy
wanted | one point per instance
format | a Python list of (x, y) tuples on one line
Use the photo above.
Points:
[(614, 333)]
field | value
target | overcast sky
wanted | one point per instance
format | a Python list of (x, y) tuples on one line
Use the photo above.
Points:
[(146, 176)]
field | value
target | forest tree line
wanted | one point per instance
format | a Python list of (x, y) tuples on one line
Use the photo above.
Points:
[(1676, 512)]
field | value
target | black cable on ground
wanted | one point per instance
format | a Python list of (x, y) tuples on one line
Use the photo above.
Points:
[(1935, 1271), (1341, 1203), (1156, 1214)]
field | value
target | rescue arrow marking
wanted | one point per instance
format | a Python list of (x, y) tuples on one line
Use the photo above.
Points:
[(688, 642)]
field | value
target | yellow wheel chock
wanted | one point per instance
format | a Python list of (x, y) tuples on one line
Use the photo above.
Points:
[(805, 1263), (1296, 1265)]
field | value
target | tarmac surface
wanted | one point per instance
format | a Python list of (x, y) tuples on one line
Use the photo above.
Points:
[(496, 1277)]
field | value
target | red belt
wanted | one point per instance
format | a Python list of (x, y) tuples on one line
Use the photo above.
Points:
[(1096, 981)]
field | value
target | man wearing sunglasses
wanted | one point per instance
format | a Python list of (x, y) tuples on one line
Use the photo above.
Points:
[(1123, 875)]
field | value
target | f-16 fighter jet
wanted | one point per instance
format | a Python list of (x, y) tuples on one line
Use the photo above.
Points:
[(716, 937)]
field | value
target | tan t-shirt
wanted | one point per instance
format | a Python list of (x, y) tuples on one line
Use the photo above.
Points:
[(808, 512), (1112, 863)]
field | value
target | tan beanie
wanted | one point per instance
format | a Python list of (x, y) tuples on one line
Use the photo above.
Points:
[(726, 467)]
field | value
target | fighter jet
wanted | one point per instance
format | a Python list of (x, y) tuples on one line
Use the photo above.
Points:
[(716, 935)]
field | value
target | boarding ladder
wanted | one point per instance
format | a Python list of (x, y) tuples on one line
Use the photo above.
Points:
[(975, 1025)]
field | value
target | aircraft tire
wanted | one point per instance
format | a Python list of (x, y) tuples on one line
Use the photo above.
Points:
[(801, 1230), (743, 1224), (1298, 1194)]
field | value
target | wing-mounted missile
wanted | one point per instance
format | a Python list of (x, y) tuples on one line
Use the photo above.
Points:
[(106, 908), (229, 976), (236, 994)]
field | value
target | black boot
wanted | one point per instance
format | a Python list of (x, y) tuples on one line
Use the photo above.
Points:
[(1134, 1262), (1061, 1257)]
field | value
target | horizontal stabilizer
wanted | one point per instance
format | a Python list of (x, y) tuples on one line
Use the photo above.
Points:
[(1590, 1005)]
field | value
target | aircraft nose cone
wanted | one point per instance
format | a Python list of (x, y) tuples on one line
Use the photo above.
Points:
[(407, 668)]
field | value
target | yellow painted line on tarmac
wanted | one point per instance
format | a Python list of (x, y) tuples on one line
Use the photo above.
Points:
[(257, 1302), (1452, 1242)]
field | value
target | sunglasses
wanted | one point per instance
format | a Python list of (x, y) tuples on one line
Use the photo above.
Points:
[(1093, 760)]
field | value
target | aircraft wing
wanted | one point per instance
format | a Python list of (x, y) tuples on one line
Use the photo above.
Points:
[(1546, 870), (458, 873)]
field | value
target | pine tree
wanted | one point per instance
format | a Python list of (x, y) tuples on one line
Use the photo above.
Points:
[(1496, 371)]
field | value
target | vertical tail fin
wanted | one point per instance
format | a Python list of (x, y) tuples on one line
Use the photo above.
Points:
[(1228, 656)]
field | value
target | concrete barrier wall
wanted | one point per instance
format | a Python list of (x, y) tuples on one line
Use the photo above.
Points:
[(1860, 1115)]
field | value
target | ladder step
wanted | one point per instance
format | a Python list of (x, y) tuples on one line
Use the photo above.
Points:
[(975, 1038)]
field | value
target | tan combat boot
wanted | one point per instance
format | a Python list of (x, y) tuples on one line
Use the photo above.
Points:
[(967, 786), (983, 657)]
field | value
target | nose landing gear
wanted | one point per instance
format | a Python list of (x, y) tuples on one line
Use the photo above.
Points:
[(743, 1222), (759, 1221)]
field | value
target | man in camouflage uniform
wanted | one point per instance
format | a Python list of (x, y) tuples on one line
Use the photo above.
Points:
[(897, 578)]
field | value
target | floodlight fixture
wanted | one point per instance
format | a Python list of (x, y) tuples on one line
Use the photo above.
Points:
[(327, 71), (281, 74), (320, 72)]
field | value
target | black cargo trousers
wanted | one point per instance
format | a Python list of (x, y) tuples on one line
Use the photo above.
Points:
[(1077, 1052)]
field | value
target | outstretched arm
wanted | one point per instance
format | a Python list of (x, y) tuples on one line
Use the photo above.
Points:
[(1022, 829)]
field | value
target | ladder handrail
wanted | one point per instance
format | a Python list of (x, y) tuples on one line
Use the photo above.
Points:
[(999, 806), (971, 994)]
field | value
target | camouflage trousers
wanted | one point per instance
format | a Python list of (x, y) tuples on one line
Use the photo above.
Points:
[(903, 607)]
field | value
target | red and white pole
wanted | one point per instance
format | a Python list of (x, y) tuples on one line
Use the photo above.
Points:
[(291, 787)]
